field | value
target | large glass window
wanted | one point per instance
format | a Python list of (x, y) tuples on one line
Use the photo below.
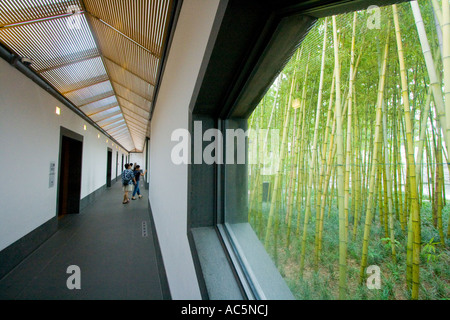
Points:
[(345, 177)]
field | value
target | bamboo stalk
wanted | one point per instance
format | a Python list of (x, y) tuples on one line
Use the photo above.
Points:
[(340, 173), (264, 146), (301, 170), (439, 187), (314, 147), (446, 63), (423, 127), (349, 130), (375, 160), (443, 113), (415, 212), (388, 186), (277, 184)]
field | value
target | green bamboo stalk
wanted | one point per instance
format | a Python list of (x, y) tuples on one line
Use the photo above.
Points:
[(356, 188), (301, 170), (324, 199), (388, 184), (423, 128), (446, 63), (375, 161), (295, 190), (340, 173), (429, 161), (435, 84), (325, 143), (290, 187), (265, 142), (277, 184), (439, 187), (437, 11), (314, 147), (349, 130), (415, 212)]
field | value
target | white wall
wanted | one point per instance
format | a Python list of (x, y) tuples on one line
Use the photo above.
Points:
[(29, 141), (168, 182), (138, 158)]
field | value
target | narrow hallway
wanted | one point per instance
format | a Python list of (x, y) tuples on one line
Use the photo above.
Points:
[(111, 243)]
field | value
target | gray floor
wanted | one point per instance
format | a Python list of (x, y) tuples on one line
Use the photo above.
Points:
[(106, 241)]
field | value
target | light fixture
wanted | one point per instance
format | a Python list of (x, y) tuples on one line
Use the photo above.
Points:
[(84, 127), (26, 61), (58, 111), (106, 140), (98, 135)]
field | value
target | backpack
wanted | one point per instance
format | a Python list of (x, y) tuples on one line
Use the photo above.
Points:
[(127, 176)]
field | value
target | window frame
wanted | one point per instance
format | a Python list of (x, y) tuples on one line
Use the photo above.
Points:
[(255, 72)]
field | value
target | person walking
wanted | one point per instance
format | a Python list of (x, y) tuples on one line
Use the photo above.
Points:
[(127, 182), (137, 175)]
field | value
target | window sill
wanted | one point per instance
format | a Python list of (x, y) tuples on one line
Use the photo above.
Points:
[(223, 273), (261, 273), (220, 281)]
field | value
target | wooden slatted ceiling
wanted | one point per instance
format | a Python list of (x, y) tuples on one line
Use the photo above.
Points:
[(125, 53), (130, 39), (133, 97), (76, 76), (99, 105), (50, 43), (19, 11), (107, 66), (142, 21), (91, 94)]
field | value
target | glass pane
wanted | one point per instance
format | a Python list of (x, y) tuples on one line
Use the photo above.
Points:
[(347, 162)]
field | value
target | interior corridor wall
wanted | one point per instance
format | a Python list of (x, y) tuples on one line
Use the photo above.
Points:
[(169, 182), (29, 142), (138, 158)]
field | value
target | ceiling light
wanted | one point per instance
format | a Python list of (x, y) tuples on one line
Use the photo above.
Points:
[(27, 61)]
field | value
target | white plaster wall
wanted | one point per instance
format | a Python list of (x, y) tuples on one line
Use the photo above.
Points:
[(138, 158), (29, 141), (168, 182)]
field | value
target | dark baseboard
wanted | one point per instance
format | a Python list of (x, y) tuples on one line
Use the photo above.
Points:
[(12, 255), (161, 269), (92, 196)]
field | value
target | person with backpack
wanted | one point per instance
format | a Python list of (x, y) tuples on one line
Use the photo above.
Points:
[(137, 175), (128, 180)]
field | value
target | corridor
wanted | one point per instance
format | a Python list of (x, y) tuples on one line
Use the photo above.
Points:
[(111, 243)]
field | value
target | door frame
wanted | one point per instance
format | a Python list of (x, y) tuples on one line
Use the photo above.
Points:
[(64, 132), (117, 165), (110, 165)]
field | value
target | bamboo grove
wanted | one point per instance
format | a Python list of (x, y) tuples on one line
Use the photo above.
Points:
[(362, 112)]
